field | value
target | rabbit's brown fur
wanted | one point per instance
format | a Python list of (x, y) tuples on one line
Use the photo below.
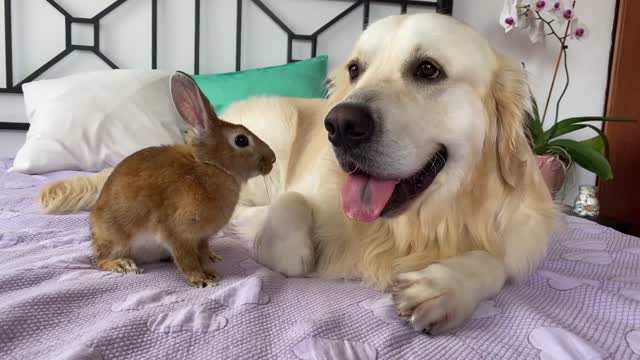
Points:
[(174, 198)]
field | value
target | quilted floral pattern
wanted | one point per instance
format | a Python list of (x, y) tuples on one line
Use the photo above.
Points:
[(317, 348), (633, 339), (247, 291), (382, 308), (195, 319), (145, 299), (558, 344)]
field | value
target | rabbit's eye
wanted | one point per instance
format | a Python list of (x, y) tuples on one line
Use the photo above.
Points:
[(242, 140)]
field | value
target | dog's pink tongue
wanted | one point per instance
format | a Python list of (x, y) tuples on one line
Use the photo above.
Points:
[(364, 197)]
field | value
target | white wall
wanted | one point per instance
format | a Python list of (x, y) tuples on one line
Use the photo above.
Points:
[(125, 39)]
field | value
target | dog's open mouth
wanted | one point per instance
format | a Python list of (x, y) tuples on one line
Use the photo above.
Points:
[(366, 198)]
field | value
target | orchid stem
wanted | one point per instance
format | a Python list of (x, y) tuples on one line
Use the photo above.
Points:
[(553, 32), (563, 51), (564, 90)]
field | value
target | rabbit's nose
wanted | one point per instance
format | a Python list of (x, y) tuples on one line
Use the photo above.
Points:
[(267, 160), (266, 164), (270, 158)]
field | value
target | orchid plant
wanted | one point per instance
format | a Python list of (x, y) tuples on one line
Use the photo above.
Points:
[(558, 19)]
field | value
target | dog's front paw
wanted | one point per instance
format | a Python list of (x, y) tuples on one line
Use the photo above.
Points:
[(433, 300), (285, 251), (284, 242)]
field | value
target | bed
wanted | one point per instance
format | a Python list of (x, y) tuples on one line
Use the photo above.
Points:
[(583, 302)]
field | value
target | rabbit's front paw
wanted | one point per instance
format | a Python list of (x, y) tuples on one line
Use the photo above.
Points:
[(124, 265), (201, 281), (214, 257), (212, 274)]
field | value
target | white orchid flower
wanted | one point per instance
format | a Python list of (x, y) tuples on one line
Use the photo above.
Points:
[(540, 5), (562, 10), (509, 15), (578, 30)]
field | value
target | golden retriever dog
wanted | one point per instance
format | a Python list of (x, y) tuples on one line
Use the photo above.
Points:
[(414, 176)]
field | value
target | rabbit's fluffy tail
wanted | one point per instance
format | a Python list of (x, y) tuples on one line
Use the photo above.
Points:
[(73, 194)]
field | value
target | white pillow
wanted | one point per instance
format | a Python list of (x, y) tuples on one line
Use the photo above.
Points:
[(93, 120)]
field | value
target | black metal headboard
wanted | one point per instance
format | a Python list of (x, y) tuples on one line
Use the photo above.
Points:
[(441, 6)]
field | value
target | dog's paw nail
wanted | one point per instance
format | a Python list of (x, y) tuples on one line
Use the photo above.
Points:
[(398, 285), (403, 315)]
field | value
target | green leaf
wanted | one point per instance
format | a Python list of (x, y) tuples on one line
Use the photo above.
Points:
[(580, 119), (585, 156), (534, 108), (597, 143), (560, 151), (541, 150), (561, 130), (573, 124), (576, 120), (534, 125), (535, 128)]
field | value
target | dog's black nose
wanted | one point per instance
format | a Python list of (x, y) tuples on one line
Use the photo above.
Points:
[(349, 125)]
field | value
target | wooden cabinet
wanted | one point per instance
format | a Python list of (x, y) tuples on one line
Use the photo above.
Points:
[(620, 197)]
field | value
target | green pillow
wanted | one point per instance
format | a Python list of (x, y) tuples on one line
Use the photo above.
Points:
[(303, 79)]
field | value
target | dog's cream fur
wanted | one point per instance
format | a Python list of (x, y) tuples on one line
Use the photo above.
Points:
[(486, 217)]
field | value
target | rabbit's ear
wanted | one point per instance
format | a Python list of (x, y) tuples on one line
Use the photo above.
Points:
[(192, 106)]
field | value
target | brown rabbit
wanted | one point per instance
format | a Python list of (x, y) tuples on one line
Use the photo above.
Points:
[(168, 200)]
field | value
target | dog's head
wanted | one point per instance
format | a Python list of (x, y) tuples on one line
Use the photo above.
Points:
[(421, 100)]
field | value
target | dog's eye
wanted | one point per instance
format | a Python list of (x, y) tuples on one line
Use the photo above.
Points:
[(242, 141), (426, 70), (354, 71)]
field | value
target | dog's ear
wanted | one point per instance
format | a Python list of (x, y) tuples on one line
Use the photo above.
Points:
[(511, 95)]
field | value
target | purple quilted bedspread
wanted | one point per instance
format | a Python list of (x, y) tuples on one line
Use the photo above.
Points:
[(582, 303)]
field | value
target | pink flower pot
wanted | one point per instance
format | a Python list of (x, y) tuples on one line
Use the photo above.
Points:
[(553, 172)]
